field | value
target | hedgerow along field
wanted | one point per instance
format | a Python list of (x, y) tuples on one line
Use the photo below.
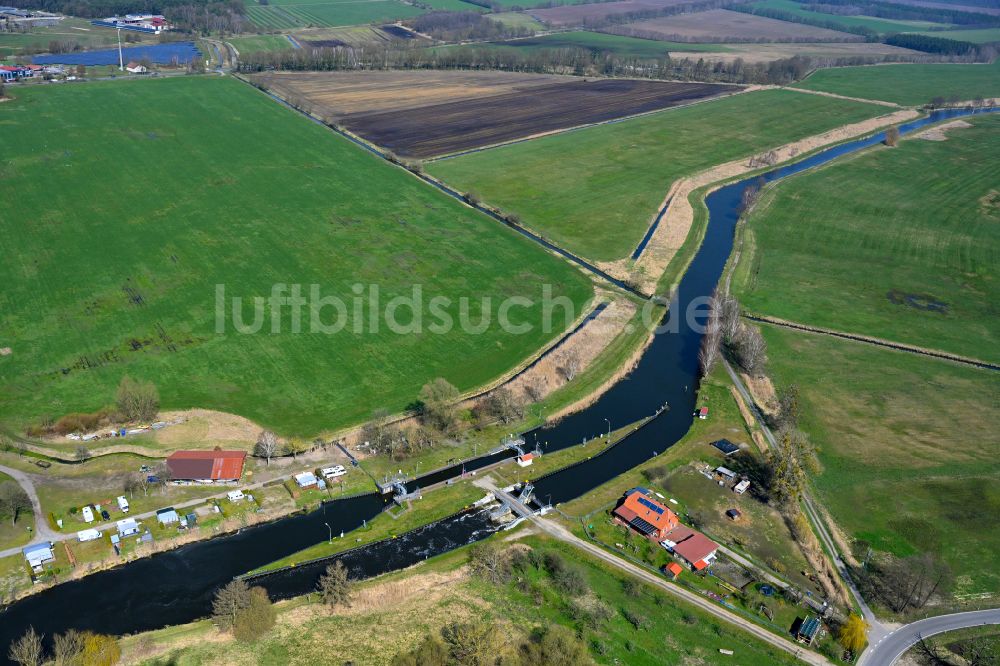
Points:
[(911, 255), (908, 448), (135, 199), (595, 190), (910, 85)]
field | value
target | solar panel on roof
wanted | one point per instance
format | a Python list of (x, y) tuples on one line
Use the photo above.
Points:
[(649, 505), (642, 526)]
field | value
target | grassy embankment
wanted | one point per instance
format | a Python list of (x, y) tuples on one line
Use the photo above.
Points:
[(907, 438), (247, 195), (909, 84), (910, 256), (408, 605), (595, 190)]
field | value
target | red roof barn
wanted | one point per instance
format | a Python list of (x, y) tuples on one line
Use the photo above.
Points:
[(206, 466)]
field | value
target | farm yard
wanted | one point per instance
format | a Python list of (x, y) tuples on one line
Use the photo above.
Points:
[(909, 84), (479, 119), (580, 14), (723, 25), (910, 256), (596, 190), (280, 15), (122, 251), (908, 438)]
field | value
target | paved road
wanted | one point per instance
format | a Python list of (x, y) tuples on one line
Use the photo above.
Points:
[(893, 645), (42, 530), (559, 532)]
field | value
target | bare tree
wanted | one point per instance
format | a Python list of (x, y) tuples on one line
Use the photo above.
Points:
[(891, 136), (501, 405), (137, 401), (335, 585), (266, 446), (438, 404), (27, 650), (729, 318), (570, 365), (711, 341), (67, 648), (750, 351), (82, 453), (490, 562), (135, 482), (13, 501), (228, 603), (534, 389)]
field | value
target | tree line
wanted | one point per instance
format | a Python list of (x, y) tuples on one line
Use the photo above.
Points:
[(900, 12)]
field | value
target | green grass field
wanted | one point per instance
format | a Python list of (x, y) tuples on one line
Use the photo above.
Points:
[(911, 255), (879, 25), (597, 41), (909, 84), (295, 14), (121, 231), (595, 190), (255, 43), (407, 606), (975, 35), (908, 447)]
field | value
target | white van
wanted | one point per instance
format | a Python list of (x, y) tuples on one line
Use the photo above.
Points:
[(123, 504), (333, 472), (88, 514)]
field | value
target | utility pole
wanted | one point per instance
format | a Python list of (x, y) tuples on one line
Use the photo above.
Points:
[(121, 60)]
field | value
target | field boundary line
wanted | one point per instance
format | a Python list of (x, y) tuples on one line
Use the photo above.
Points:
[(740, 90), (823, 93), (879, 342)]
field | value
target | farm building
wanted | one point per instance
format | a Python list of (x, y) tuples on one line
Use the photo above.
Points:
[(151, 23), (206, 466), (726, 473), (135, 68), (645, 515), (306, 480), (38, 554), (693, 547), (127, 527), (15, 72), (672, 570), (701, 413)]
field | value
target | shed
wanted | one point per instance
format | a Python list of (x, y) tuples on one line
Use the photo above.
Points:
[(673, 570), (725, 473), (701, 412), (38, 554), (167, 516), (808, 630), (305, 480), (727, 447), (127, 527), (526, 459)]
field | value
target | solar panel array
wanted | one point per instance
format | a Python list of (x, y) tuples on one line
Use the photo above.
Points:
[(649, 505), (642, 525)]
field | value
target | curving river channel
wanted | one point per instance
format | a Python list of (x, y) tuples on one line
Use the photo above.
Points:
[(177, 586)]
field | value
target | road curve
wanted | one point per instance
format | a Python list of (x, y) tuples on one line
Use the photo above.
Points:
[(892, 647), (42, 530)]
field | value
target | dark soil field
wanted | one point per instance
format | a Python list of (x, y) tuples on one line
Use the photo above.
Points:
[(441, 129)]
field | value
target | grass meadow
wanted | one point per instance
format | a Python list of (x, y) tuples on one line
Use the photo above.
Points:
[(135, 199), (284, 14), (879, 25), (595, 190), (908, 447), (911, 255), (406, 606), (256, 43), (910, 85)]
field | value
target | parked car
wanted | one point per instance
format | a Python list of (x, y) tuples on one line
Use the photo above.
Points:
[(105, 515)]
